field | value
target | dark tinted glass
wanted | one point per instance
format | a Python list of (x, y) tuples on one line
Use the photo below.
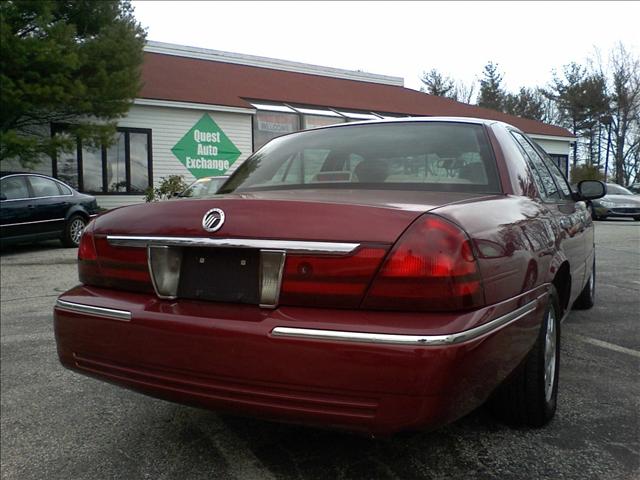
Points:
[(139, 156), (555, 172), (14, 188), (92, 169), (550, 189), (64, 190), (437, 156), (43, 187), (116, 165)]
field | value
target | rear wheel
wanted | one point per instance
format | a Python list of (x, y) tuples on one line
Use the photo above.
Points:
[(73, 230), (586, 299), (529, 396)]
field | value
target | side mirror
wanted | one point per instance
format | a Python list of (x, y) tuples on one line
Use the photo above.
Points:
[(591, 189)]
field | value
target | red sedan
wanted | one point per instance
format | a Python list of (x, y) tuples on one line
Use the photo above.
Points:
[(373, 276)]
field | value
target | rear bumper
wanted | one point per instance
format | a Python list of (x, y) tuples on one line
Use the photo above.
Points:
[(377, 372)]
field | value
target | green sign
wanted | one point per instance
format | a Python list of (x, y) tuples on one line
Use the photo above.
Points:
[(205, 150)]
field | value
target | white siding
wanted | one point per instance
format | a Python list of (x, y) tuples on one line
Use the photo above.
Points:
[(168, 125), (552, 146)]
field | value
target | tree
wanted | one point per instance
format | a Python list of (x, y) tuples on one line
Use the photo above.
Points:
[(65, 62), (527, 103), (168, 188), (464, 92), (582, 101), (491, 93), (436, 84), (625, 113)]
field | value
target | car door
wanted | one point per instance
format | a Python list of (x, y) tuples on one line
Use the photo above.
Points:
[(49, 205), (569, 217), (15, 216)]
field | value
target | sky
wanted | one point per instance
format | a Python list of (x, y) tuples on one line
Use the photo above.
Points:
[(526, 39)]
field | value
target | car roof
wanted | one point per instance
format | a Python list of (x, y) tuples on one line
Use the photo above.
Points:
[(469, 120)]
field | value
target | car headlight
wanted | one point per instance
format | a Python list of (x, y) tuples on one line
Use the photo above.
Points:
[(607, 204)]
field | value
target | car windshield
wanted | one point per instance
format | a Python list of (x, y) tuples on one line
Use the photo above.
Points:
[(613, 189), (203, 187), (442, 156)]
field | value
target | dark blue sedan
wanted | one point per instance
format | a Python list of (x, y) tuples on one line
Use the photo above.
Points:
[(35, 207)]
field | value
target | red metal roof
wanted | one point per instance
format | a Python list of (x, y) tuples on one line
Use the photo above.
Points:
[(182, 79)]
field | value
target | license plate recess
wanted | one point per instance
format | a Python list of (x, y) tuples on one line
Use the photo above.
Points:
[(220, 275)]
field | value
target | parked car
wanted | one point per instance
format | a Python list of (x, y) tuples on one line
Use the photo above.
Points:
[(634, 188), (36, 207), (619, 202), (372, 276), (204, 187)]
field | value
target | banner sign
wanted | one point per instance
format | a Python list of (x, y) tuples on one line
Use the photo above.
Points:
[(205, 149)]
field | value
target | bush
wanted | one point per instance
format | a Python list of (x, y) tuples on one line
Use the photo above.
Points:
[(586, 172), (169, 187)]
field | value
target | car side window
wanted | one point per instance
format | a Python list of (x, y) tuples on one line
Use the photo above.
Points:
[(14, 188), (536, 176), (43, 187), (550, 189), (64, 190), (561, 181)]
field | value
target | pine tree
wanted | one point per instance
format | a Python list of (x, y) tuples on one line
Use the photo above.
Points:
[(491, 93), (436, 84), (72, 62)]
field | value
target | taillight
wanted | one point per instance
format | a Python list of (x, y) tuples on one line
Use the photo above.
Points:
[(431, 267), (326, 281), (102, 265), (87, 249)]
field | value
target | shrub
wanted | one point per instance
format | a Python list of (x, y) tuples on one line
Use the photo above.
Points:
[(586, 172), (169, 187)]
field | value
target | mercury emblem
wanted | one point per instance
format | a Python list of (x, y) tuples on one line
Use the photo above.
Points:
[(213, 220)]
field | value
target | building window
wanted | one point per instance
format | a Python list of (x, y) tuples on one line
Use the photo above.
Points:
[(315, 121), (275, 119), (268, 125), (124, 167)]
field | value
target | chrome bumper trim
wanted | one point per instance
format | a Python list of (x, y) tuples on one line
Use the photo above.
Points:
[(122, 315), (287, 245), (415, 340)]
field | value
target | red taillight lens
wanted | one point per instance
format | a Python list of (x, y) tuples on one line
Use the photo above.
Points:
[(101, 265), (88, 269), (431, 267), (87, 249), (325, 281), (123, 268)]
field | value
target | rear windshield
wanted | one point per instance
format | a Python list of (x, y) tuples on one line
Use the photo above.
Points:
[(439, 156)]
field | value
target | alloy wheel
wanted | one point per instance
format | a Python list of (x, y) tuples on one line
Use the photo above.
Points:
[(76, 228), (550, 354)]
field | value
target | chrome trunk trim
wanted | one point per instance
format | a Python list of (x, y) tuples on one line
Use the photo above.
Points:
[(337, 248), (415, 340), (114, 314)]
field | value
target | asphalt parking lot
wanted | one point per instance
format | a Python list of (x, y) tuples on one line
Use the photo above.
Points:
[(56, 424)]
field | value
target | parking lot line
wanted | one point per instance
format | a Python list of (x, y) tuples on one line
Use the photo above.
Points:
[(607, 345)]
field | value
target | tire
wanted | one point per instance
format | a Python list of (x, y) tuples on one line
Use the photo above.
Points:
[(586, 299), (73, 230), (530, 395), (637, 219)]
